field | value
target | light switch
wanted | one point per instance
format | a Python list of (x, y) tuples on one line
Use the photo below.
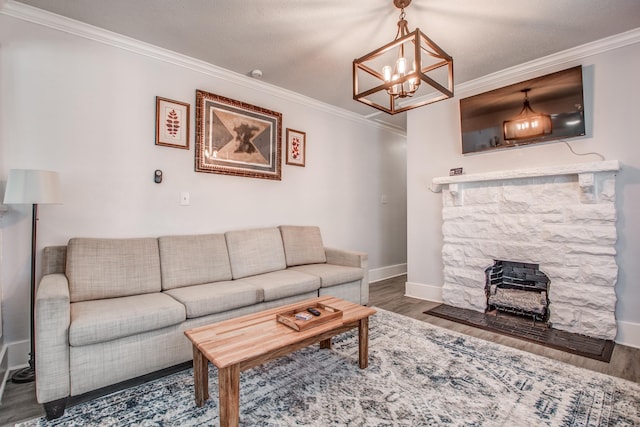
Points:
[(184, 198)]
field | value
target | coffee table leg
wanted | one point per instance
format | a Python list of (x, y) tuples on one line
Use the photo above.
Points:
[(363, 343), (326, 343), (229, 387), (200, 376)]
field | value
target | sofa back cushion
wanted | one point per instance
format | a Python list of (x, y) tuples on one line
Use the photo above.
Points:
[(54, 260), (193, 260), (110, 268), (255, 251), (302, 245)]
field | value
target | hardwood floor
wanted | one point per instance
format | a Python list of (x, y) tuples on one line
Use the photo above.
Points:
[(19, 402)]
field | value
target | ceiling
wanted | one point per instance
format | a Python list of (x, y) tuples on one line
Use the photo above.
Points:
[(307, 46)]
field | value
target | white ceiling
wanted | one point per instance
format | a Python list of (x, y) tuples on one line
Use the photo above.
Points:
[(308, 46)]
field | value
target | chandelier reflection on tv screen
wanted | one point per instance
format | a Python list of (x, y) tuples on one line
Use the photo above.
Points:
[(528, 123)]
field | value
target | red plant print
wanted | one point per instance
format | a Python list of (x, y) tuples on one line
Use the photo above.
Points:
[(295, 148), (173, 123)]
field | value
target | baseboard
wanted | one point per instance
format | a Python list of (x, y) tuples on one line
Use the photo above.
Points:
[(423, 291), (388, 272), (4, 369), (18, 355), (628, 334)]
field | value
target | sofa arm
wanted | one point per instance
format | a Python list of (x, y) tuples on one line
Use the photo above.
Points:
[(346, 258), (352, 259), (52, 319)]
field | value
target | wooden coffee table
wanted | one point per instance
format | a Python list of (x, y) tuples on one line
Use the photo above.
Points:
[(244, 342)]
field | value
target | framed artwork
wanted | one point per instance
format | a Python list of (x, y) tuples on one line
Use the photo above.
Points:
[(236, 138), (172, 123), (296, 147)]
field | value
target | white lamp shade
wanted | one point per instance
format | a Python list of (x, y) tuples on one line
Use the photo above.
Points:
[(29, 186)]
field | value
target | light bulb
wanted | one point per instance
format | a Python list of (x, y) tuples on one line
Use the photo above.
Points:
[(401, 65), (412, 84), (386, 72)]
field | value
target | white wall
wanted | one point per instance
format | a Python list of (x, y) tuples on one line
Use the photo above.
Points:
[(87, 110), (612, 110)]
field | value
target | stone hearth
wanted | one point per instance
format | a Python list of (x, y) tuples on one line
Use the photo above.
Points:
[(560, 217)]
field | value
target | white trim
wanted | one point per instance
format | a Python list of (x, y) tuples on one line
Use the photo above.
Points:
[(387, 272), (423, 291), (4, 364), (553, 170), (573, 54), (18, 354), (81, 29), (628, 334), (556, 59)]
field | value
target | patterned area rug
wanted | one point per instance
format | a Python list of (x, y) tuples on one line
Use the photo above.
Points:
[(418, 375)]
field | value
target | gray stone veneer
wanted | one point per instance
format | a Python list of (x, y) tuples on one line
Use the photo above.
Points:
[(562, 218)]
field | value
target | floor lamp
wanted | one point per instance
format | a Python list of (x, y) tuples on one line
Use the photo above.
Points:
[(34, 187)]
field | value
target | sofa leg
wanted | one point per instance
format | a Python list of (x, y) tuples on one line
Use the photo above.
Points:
[(55, 408)]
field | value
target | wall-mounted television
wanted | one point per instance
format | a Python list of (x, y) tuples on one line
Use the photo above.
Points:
[(542, 109)]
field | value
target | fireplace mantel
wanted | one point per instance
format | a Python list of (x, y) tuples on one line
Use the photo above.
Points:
[(583, 169)]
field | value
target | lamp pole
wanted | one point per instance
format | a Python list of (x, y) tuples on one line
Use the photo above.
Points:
[(28, 374)]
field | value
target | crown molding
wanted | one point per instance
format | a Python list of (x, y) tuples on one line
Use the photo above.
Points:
[(34, 15), (560, 58), (557, 59)]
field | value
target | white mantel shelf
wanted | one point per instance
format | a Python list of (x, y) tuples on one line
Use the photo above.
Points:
[(556, 170)]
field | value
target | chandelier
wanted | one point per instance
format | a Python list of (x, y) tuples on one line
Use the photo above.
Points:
[(527, 124), (409, 72)]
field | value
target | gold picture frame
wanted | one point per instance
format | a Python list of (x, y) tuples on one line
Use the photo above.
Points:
[(172, 123), (296, 147), (236, 138)]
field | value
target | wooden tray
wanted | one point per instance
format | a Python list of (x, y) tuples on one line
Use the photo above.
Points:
[(327, 314)]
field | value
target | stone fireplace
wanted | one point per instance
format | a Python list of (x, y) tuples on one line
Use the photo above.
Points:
[(560, 219)]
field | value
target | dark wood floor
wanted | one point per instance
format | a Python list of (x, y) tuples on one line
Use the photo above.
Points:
[(19, 402)]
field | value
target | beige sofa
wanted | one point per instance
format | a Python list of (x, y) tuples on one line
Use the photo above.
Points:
[(108, 310)]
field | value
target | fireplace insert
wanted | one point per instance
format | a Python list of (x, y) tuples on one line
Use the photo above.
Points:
[(518, 288)]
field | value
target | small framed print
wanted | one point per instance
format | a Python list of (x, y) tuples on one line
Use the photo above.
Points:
[(296, 147), (172, 123)]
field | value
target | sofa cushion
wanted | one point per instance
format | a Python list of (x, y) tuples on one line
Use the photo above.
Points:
[(211, 298), (193, 260), (108, 319), (283, 283), (255, 251), (111, 268), (331, 274), (302, 245)]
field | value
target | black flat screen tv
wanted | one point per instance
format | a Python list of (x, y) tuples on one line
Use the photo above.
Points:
[(542, 109)]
